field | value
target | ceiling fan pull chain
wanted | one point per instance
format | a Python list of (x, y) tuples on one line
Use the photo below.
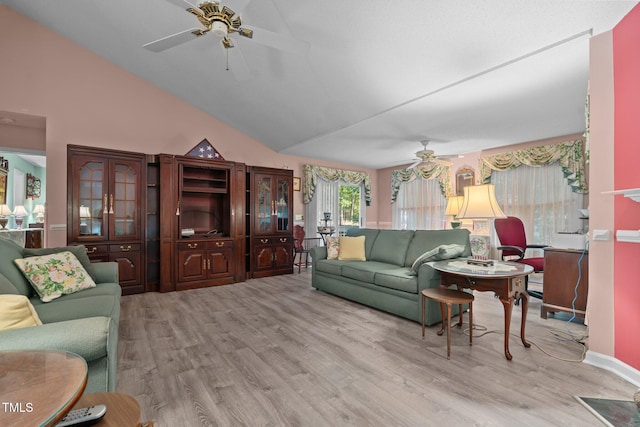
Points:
[(227, 52)]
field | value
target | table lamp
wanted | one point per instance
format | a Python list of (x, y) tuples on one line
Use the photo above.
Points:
[(85, 213), (4, 214), (454, 203), (480, 205), (39, 211), (19, 212)]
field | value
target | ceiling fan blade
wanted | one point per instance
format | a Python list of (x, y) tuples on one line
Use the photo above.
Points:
[(414, 164), (279, 41), (173, 40), (182, 3)]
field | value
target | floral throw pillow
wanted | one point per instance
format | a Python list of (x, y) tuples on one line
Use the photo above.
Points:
[(55, 275), (333, 247)]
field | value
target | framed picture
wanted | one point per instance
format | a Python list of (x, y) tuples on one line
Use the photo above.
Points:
[(464, 178), (296, 184), (33, 187)]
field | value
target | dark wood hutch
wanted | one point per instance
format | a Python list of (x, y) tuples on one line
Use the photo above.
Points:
[(176, 222)]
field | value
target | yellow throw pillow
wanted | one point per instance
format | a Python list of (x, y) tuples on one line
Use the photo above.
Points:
[(352, 248), (17, 312)]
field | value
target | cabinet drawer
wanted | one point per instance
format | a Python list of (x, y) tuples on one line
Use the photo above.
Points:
[(125, 247), (186, 246), (220, 244), (272, 240), (96, 250)]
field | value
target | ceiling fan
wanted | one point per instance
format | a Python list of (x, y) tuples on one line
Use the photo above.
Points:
[(222, 21), (428, 156)]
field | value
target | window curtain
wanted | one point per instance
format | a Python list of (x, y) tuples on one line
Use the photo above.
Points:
[(541, 197), (325, 195), (419, 205), (418, 197), (570, 155), (313, 173)]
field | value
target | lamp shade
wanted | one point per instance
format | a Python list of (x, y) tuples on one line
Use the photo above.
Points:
[(39, 209), (20, 211), (480, 203), (4, 210), (85, 212), (454, 203)]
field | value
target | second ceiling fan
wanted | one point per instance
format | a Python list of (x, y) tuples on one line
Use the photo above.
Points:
[(428, 156)]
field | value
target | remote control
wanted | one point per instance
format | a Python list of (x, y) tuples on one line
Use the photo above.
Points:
[(83, 417)]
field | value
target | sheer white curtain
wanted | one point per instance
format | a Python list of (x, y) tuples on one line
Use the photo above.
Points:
[(541, 198), (326, 198), (420, 206)]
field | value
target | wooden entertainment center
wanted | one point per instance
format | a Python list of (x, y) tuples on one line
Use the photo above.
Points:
[(176, 222)]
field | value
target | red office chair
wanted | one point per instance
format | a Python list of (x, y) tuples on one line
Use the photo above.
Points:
[(513, 244)]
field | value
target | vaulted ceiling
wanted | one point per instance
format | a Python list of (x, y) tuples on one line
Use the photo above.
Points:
[(361, 81)]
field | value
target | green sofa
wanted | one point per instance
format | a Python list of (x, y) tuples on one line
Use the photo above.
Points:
[(84, 323), (386, 281)]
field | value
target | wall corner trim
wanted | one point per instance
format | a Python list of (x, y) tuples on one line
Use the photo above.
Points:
[(614, 365)]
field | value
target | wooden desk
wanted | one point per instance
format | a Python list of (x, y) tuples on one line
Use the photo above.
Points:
[(122, 409), (506, 280), (559, 281), (39, 387)]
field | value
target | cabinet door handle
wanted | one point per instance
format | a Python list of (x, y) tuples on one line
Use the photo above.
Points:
[(105, 211), (125, 248), (208, 264), (111, 205), (204, 264), (283, 240), (93, 249), (264, 241), (219, 244), (192, 245)]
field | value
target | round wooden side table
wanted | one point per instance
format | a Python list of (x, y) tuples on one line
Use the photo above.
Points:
[(122, 410), (38, 387)]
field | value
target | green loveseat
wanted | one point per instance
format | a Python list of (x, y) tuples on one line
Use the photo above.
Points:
[(84, 323), (386, 281)]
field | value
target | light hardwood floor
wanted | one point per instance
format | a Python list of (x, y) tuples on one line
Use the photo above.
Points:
[(275, 351)]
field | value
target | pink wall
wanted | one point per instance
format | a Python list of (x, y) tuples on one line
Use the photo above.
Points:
[(87, 100), (600, 312), (626, 69)]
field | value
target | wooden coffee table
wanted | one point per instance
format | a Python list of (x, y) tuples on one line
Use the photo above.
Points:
[(39, 387), (505, 279)]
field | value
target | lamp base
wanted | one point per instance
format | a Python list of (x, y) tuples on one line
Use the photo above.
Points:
[(480, 246), (19, 222), (456, 224), (3, 222)]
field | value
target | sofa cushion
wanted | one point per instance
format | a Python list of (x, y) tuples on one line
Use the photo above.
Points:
[(17, 312), (80, 251), (425, 240), (370, 236), (352, 248), (56, 274), (364, 271), (6, 287), (329, 266), (391, 246), (400, 279), (10, 251), (65, 308)]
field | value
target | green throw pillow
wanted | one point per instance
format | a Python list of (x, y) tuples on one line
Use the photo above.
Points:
[(55, 275), (437, 254)]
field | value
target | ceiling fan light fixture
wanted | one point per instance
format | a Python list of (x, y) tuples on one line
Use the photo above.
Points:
[(219, 28)]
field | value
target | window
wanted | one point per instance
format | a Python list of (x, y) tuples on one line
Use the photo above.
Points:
[(541, 197), (344, 202), (419, 205), (349, 205)]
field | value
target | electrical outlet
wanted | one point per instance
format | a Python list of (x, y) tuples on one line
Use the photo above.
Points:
[(299, 217)]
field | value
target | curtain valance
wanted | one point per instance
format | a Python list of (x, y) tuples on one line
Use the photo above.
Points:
[(311, 173), (570, 155), (432, 171)]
